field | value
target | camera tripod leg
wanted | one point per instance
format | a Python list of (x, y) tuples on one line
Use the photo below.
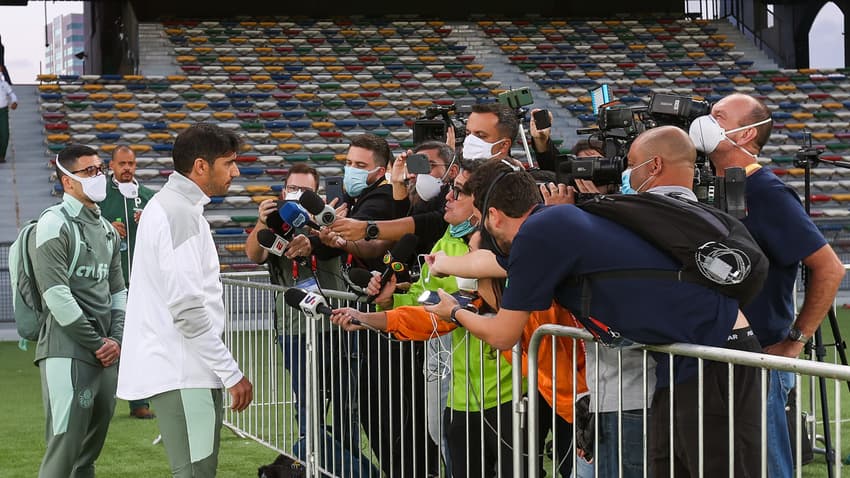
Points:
[(829, 452), (525, 146)]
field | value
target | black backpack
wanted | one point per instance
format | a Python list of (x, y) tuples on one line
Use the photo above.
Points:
[(715, 249)]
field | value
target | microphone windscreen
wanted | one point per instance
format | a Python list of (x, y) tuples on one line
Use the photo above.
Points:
[(278, 225), (266, 238), (293, 214), (312, 202), (293, 297), (404, 249), (359, 277)]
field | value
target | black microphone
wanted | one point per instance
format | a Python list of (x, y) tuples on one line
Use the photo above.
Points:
[(395, 259), (360, 277), (272, 242), (279, 226), (310, 303), (324, 214)]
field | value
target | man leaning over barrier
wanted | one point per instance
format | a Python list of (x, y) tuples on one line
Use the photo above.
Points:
[(548, 245)]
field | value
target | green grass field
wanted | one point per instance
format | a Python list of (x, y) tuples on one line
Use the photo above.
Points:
[(129, 452)]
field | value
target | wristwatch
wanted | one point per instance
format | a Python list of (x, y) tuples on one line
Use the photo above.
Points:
[(371, 230), (796, 335), (457, 308)]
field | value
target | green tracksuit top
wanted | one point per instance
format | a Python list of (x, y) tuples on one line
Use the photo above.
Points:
[(472, 359), (78, 270), (116, 206)]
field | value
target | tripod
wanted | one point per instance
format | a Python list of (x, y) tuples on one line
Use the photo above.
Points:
[(808, 158)]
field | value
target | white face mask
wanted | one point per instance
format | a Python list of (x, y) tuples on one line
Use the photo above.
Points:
[(706, 133), (296, 196), (476, 148), (94, 188), (129, 190), (428, 187)]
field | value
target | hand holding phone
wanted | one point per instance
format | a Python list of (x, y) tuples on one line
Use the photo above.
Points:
[(418, 164), (541, 119)]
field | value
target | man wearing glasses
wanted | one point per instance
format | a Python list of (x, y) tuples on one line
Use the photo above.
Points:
[(300, 267), (77, 267)]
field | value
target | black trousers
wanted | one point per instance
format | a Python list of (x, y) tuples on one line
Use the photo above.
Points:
[(747, 420), (473, 440), (393, 408)]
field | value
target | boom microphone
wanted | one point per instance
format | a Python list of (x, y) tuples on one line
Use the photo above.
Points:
[(313, 203), (296, 216), (313, 305), (395, 259), (272, 242)]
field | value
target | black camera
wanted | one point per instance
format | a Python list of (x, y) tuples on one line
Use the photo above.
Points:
[(676, 110), (602, 171), (433, 125)]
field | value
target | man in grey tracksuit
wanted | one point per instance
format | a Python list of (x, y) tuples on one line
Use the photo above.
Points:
[(78, 271)]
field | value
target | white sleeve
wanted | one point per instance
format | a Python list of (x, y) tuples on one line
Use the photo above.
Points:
[(182, 283)]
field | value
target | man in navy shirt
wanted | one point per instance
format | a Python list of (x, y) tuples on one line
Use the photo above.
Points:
[(547, 246), (734, 134)]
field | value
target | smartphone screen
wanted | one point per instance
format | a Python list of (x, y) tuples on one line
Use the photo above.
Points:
[(541, 119), (430, 297), (333, 189)]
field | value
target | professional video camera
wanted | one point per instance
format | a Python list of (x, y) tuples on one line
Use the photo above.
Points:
[(618, 126), (432, 126)]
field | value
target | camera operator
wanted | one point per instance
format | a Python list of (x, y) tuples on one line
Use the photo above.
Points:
[(650, 311), (733, 135), (491, 129)]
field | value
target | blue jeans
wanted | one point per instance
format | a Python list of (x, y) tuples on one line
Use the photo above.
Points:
[(779, 454), (606, 454)]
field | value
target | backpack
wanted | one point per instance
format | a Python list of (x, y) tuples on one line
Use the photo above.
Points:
[(714, 249), (26, 303)]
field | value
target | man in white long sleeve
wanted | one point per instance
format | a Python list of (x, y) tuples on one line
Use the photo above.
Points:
[(174, 354), (7, 100)]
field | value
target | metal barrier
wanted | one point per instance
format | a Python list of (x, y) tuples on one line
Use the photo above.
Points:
[(360, 404), (6, 314), (736, 361)]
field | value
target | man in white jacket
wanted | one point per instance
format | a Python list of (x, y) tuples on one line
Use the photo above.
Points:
[(173, 351)]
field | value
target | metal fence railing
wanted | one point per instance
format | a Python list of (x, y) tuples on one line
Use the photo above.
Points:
[(6, 313), (360, 404)]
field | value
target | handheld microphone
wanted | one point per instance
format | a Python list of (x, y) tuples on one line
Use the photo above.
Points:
[(279, 226), (395, 259), (358, 279), (295, 215), (324, 214), (272, 242), (313, 305)]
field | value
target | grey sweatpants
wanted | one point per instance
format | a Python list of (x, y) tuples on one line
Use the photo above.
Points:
[(79, 399), (190, 424)]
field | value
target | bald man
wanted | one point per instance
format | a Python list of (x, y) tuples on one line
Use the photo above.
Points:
[(733, 135)]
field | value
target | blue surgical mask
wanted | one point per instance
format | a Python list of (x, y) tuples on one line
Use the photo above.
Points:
[(462, 229), (355, 180), (626, 182)]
